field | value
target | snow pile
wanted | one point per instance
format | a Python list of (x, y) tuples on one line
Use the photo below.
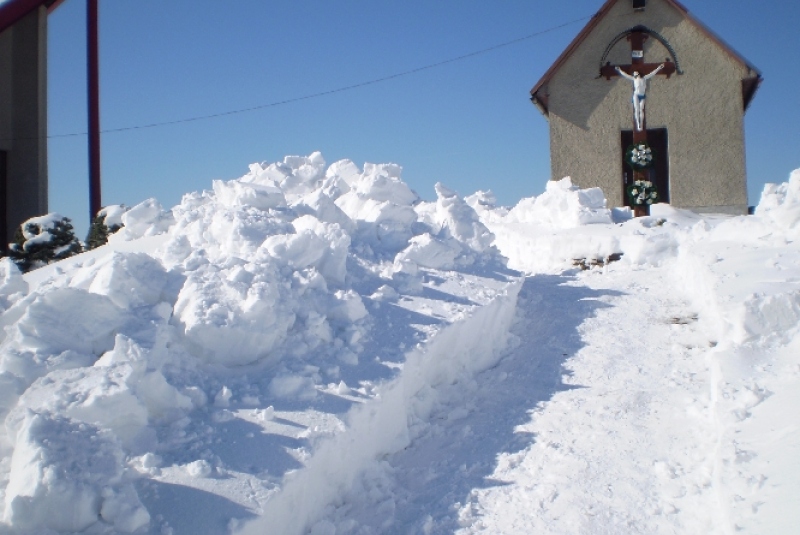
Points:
[(780, 203), (110, 356)]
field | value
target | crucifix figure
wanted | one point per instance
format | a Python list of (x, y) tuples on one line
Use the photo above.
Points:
[(639, 89), (633, 72)]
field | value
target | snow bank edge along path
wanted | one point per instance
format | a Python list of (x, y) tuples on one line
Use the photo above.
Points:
[(390, 422)]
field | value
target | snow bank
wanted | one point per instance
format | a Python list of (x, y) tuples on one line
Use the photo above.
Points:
[(780, 203), (739, 309), (390, 423), (103, 356)]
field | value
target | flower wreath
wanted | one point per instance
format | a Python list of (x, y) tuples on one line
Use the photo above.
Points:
[(642, 193), (639, 156)]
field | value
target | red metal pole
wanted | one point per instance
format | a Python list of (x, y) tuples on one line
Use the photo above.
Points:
[(93, 82)]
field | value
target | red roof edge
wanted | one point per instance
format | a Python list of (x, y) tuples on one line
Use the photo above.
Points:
[(53, 4), (11, 12), (749, 89), (541, 101)]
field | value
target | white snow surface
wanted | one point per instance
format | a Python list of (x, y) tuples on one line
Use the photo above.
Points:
[(314, 349)]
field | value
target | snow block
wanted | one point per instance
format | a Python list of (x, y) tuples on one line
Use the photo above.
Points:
[(67, 476)]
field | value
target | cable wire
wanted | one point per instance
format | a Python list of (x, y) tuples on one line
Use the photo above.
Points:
[(330, 91)]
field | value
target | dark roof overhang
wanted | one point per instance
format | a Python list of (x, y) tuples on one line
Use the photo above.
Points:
[(11, 11)]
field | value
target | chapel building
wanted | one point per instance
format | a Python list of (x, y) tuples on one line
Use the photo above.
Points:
[(694, 113)]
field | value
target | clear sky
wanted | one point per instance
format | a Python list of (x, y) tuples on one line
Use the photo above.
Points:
[(468, 123)]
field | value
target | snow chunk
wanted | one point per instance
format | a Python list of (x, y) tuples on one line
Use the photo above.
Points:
[(344, 174), (12, 285), (128, 279), (296, 175), (293, 387), (323, 246), (119, 393), (209, 230), (780, 203), (112, 215), (323, 206), (200, 468), (348, 308), (234, 316), (459, 220), (67, 476), (147, 218), (235, 193), (381, 205), (427, 251), (60, 329), (563, 205), (223, 397)]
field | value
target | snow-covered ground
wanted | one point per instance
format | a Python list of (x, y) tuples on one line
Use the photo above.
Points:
[(312, 349)]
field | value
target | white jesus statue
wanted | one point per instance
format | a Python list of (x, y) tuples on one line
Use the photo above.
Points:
[(639, 89)]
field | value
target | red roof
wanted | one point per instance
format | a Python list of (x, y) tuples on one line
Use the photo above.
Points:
[(750, 85), (13, 10)]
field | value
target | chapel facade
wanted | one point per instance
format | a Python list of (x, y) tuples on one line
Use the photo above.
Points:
[(694, 114)]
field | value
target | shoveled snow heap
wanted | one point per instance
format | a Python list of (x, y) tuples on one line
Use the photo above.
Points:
[(314, 349)]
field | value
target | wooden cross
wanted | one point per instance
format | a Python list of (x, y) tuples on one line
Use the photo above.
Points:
[(637, 39)]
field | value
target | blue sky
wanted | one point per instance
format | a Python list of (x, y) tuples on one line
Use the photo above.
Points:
[(468, 124)]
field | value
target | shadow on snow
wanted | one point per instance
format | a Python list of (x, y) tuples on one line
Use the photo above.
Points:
[(459, 450)]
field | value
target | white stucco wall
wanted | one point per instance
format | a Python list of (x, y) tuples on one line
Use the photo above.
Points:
[(701, 109)]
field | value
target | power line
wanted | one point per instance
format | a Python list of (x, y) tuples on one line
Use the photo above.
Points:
[(330, 91)]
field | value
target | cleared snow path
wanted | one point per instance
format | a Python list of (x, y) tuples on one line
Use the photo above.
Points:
[(459, 449), (635, 428), (529, 447)]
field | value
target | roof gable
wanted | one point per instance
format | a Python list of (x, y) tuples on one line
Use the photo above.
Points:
[(749, 85)]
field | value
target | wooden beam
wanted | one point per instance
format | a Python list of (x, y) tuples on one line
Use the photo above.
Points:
[(608, 70), (93, 71)]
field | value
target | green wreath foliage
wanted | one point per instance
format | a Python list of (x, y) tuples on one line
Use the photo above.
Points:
[(639, 156)]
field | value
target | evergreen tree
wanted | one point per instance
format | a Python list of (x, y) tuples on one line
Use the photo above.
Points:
[(42, 240), (99, 231)]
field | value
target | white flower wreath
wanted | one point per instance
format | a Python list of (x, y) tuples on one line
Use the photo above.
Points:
[(642, 192), (639, 156)]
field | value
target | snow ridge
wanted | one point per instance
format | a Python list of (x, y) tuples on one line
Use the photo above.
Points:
[(389, 423)]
